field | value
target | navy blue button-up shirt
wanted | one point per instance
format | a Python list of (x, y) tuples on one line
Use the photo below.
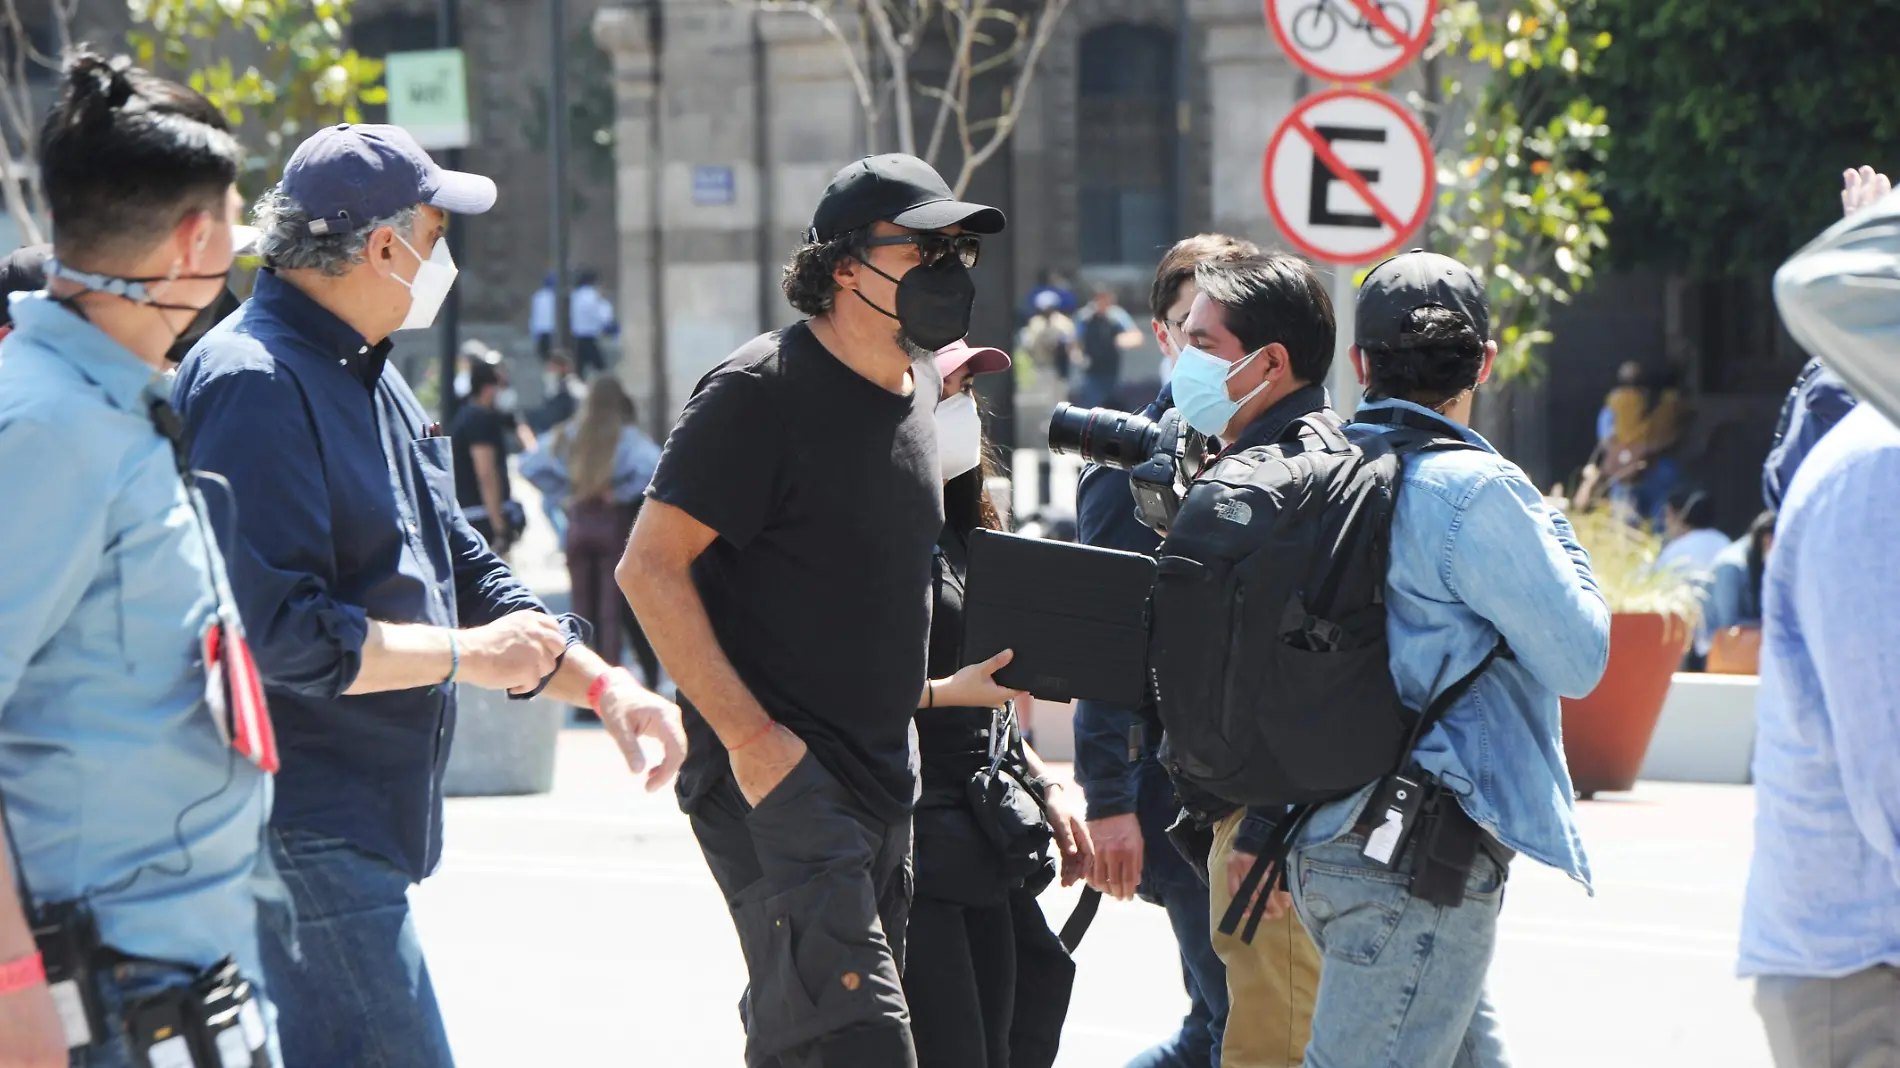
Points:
[(346, 512)]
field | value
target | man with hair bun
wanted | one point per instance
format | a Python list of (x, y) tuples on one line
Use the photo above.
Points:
[(1481, 571), (131, 820)]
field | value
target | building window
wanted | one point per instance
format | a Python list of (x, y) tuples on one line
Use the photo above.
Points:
[(1126, 144)]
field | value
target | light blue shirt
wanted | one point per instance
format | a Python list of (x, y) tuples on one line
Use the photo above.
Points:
[(1477, 555), (1824, 886), (118, 788)]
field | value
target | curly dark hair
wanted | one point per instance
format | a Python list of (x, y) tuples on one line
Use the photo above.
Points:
[(1438, 357), (807, 281)]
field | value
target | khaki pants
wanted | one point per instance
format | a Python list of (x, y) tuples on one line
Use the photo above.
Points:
[(1271, 983)]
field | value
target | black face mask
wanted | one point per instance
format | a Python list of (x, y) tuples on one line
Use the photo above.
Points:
[(209, 316), (933, 303)]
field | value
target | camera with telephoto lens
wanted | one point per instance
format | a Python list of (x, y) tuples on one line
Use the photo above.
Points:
[(1162, 456)]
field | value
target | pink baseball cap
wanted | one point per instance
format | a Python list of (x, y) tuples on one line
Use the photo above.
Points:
[(982, 361)]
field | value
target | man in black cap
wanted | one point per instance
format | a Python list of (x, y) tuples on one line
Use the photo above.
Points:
[(366, 592), (781, 568), (1484, 582)]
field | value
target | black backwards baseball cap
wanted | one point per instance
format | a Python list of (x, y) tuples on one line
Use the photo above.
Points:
[(899, 189), (1411, 280), (344, 176)]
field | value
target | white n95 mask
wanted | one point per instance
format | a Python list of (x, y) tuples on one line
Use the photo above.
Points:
[(430, 287), (959, 436)]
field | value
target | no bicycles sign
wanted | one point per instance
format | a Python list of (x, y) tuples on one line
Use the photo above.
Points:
[(1349, 176), (1352, 40)]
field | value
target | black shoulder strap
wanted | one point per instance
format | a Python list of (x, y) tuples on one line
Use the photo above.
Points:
[(1078, 922), (1326, 427)]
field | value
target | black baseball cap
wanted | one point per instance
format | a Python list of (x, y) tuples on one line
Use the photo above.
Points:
[(1412, 280), (346, 175), (899, 189)]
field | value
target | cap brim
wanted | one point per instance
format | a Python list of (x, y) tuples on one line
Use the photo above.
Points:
[(461, 193), (981, 360), (973, 218)]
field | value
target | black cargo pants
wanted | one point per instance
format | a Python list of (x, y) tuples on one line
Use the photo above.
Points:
[(819, 890)]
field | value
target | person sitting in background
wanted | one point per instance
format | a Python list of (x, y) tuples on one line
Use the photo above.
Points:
[(1731, 600), (1620, 428), (1690, 541), (596, 469)]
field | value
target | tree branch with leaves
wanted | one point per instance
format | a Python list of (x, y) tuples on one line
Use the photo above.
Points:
[(1520, 178), (306, 77), (879, 41)]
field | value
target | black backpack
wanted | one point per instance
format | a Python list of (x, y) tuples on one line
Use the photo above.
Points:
[(1268, 646)]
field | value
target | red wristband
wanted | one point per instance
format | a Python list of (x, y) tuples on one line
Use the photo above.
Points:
[(760, 733), (17, 975), (605, 679)]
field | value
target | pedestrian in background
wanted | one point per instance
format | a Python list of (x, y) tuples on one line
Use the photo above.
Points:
[(1821, 920), (1104, 332), (368, 593), (480, 436), (590, 317), (596, 468), (113, 594)]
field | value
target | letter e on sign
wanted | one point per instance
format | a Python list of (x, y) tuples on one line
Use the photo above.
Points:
[(1349, 176)]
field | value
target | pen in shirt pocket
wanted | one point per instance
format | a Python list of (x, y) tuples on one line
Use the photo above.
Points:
[(434, 431)]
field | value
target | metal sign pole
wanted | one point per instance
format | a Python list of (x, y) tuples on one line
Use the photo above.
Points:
[(1342, 382)]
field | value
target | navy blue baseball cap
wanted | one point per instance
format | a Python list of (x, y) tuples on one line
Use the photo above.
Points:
[(344, 176)]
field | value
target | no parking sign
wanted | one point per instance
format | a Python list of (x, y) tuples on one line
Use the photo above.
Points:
[(1349, 176)]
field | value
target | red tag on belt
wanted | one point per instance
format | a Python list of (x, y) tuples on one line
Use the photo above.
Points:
[(236, 695)]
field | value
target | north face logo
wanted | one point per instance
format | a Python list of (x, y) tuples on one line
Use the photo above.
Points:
[(1239, 512)]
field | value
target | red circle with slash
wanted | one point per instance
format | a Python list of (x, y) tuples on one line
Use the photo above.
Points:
[(1405, 174), (1321, 36)]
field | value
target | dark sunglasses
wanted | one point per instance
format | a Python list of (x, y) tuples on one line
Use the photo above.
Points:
[(932, 248)]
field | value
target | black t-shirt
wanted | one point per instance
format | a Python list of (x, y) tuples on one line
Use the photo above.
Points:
[(475, 425), (823, 487)]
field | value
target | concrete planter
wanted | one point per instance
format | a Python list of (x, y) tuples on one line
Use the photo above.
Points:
[(1707, 730), (502, 746), (1607, 733)]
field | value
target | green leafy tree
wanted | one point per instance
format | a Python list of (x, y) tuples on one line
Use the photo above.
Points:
[(1522, 153), (1734, 121), (298, 75)]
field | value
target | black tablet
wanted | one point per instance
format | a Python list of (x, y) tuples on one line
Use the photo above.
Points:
[(1077, 617)]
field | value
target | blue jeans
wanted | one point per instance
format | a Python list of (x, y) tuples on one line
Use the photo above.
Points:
[(350, 983), (125, 983), (1168, 881), (1401, 981)]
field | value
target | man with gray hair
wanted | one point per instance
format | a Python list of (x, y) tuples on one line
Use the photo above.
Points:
[(366, 592)]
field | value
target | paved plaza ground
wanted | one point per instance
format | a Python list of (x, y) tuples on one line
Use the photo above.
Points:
[(581, 927)]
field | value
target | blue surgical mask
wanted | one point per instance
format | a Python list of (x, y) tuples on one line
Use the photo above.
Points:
[(1200, 389)]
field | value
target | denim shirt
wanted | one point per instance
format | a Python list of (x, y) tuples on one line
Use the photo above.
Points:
[(1477, 555), (346, 513), (118, 788)]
